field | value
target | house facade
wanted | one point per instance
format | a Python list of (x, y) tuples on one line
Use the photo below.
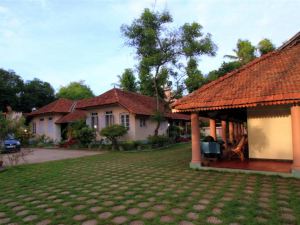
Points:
[(115, 106), (260, 100)]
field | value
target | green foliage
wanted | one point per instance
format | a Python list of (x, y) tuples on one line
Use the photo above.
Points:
[(157, 141), (225, 68), (244, 52), (36, 94), (11, 86), (194, 78), (42, 141), (80, 131), (23, 96), (113, 133), (75, 91), (128, 81), (131, 145), (14, 126), (194, 43), (265, 46), (85, 136)]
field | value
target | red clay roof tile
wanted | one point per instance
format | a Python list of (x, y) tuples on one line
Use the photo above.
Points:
[(59, 106), (271, 79)]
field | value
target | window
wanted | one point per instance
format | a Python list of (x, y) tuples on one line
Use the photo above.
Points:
[(94, 122), (50, 125), (109, 118), (41, 127), (125, 120), (142, 122), (34, 128)]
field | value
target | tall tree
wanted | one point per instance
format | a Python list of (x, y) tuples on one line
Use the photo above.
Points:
[(225, 68), (75, 91), (194, 44), (194, 78), (127, 81), (11, 87), (159, 51), (35, 94), (244, 52), (265, 46)]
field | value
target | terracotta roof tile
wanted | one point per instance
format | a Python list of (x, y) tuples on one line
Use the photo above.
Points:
[(73, 116), (59, 106), (133, 102), (271, 79)]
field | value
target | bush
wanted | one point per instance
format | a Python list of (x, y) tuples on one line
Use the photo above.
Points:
[(113, 133), (41, 141), (157, 141), (85, 136)]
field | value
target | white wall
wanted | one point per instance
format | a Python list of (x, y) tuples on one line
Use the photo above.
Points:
[(269, 133), (47, 127)]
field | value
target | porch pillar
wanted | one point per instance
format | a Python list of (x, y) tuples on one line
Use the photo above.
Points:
[(212, 127), (295, 118), (196, 155), (224, 136), (231, 132), (235, 132)]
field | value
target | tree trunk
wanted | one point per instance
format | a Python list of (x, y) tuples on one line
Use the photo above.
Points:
[(156, 129), (157, 99)]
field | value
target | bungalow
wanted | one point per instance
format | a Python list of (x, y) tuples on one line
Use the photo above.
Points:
[(115, 106), (262, 100)]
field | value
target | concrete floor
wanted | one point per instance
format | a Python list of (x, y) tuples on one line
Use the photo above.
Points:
[(39, 155)]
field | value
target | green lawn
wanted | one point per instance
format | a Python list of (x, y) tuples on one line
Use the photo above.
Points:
[(143, 188)]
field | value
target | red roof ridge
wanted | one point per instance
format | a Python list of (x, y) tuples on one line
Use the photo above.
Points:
[(228, 75)]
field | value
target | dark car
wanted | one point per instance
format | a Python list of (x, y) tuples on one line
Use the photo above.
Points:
[(11, 144)]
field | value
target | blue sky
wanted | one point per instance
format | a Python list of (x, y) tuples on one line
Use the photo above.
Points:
[(60, 41)]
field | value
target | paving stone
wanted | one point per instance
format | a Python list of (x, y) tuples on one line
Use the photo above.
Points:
[(12, 204), (166, 219), (42, 206), (44, 222), (118, 208), (143, 204), (133, 211), (177, 211), (4, 220), (108, 203), (18, 208), (288, 217), (137, 222), (213, 220), (30, 218), (119, 219), (199, 207), (217, 211), (22, 213), (185, 223), (95, 209), (159, 207), (192, 216), (149, 215), (50, 210), (80, 207), (91, 201), (90, 222), (105, 215), (2, 214), (79, 217)]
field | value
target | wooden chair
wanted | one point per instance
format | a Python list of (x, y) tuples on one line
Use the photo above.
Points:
[(239, 149)]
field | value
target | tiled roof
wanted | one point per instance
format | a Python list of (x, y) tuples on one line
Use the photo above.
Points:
[(73, 116), (133, 102), (59, 106), (269, 80)]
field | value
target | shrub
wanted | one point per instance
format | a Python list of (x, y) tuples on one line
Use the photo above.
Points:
[(157, 141), (113, 133), (85, 136)]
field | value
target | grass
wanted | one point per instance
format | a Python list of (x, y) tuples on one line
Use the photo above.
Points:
[(80, 190)]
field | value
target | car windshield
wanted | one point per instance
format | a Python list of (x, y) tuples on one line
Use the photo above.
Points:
[(10, 137)]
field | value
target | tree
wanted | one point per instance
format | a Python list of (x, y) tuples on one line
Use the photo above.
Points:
[(127, 81), (225, 68), (35, 94), (265, 46), (244, 52), (11, 86), (194, 78), (113, 133), (75, 91), (194, 44), (159, 50)]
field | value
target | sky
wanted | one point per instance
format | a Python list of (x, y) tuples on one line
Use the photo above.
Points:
[(60, 41)]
